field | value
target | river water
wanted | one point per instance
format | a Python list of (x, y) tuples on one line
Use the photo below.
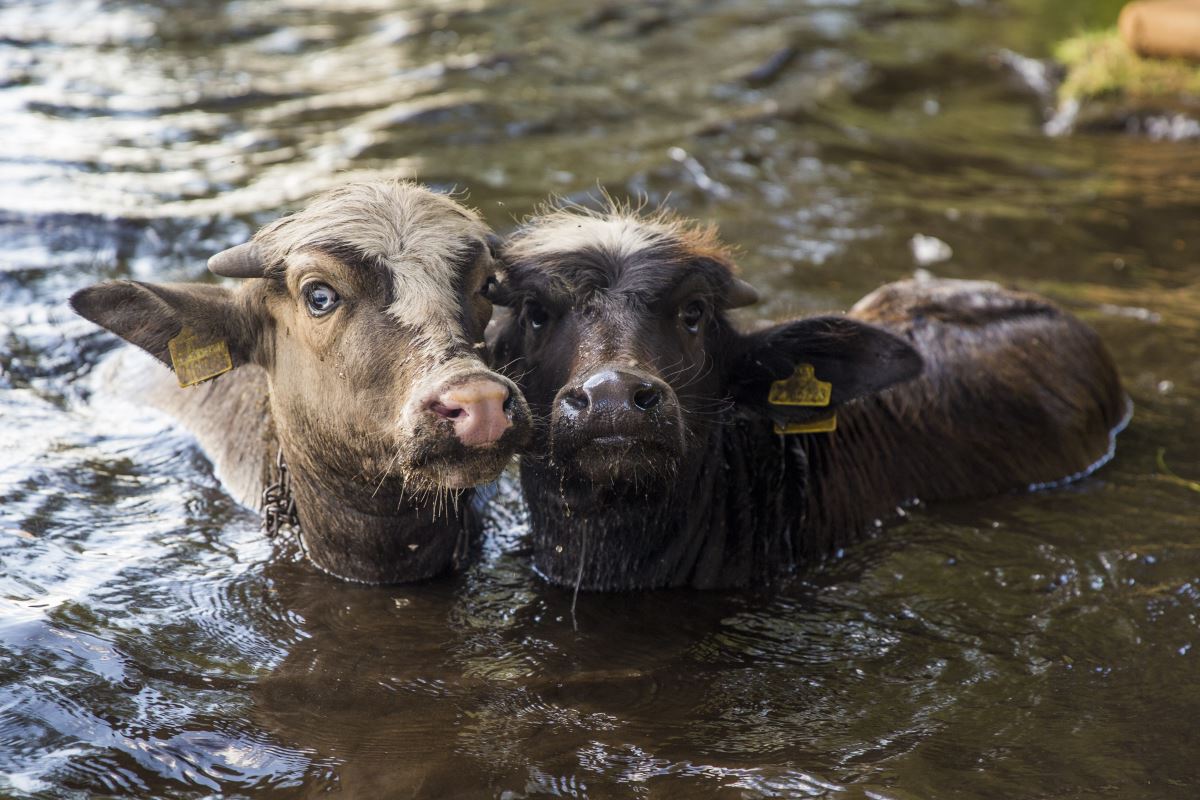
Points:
[(154, 643)]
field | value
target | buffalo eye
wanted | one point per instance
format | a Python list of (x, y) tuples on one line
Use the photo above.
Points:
[(488, 290), (691, 315), (321, 298), (536, 314)]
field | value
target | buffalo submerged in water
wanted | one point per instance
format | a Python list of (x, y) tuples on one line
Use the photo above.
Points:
[(658, 457), (662, 450), (353, 343)]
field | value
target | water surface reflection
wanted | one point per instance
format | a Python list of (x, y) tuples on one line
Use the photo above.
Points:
[(154, 643)]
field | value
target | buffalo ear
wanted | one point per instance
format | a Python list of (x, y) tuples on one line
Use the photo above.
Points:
[(856, 358), (150, 315)]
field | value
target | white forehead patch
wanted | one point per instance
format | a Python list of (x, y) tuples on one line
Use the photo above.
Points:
[(563, 232), (620, 229), (422, 236)]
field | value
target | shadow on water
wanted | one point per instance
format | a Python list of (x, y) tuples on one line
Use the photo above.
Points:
[(154, 643)]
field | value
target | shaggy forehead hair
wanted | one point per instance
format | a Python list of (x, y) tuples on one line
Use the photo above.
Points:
[(422, 238), (618, 230)]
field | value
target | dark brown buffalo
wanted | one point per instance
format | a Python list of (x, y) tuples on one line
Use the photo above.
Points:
[(656, 459), (356, 332)]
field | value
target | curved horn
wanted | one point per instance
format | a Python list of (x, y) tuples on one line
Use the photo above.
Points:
[(740, 294), (238, 262)]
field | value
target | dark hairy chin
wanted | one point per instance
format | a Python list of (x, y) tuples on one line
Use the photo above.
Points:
[(620, 463)]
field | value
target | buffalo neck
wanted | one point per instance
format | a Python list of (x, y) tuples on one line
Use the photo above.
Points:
[(725, 518), (376, 533)]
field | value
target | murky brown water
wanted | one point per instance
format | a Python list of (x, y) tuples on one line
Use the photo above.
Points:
[(153, 643)]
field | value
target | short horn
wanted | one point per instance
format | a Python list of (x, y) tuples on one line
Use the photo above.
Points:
[(740, 294), (237, 262), (495, 246)]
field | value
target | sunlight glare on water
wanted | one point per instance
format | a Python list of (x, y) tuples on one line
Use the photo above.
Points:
[(153, 642)]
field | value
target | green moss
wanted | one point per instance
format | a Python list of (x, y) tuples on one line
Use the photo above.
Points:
[(1100, 66)]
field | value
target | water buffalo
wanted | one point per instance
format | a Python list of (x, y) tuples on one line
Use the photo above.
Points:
[(661, 455), (354, 336)]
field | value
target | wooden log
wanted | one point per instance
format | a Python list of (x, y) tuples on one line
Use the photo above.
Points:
[(1162, 28)]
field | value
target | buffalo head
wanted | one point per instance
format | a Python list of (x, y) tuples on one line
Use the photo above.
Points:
[(618, 333)]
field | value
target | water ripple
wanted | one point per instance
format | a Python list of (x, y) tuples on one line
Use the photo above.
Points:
[(154, 643)]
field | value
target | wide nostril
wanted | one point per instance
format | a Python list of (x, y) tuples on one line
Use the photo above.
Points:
[(446, 411), (576, 399), (475, 410), (646, 397)]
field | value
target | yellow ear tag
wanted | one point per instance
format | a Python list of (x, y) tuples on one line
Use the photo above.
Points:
[(196, 361), (827, 425), (802, 389)]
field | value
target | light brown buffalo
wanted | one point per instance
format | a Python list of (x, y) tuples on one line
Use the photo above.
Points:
[(355, 337)]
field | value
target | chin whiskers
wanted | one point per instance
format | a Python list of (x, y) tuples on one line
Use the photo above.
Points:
[(387, 470)]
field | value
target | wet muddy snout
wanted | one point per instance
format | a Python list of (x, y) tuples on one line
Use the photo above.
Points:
[(617, 402)]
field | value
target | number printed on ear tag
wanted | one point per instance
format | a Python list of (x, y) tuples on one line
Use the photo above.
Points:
[(196, 361), (802, 389)]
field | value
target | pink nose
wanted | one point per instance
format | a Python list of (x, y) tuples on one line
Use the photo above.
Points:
[(477, 409)]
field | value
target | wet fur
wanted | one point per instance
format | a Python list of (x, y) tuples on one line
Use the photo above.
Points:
[(341, 394), (1013, 392), (1016, 394)]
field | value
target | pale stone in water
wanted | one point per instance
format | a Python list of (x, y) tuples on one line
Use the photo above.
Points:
[(929, 249)]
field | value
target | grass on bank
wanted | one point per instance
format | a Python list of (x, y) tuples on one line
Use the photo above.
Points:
[(1100, 66)]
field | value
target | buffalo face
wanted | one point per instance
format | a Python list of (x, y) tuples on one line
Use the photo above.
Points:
[(367, 311), (617, 333), (624, 375)]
